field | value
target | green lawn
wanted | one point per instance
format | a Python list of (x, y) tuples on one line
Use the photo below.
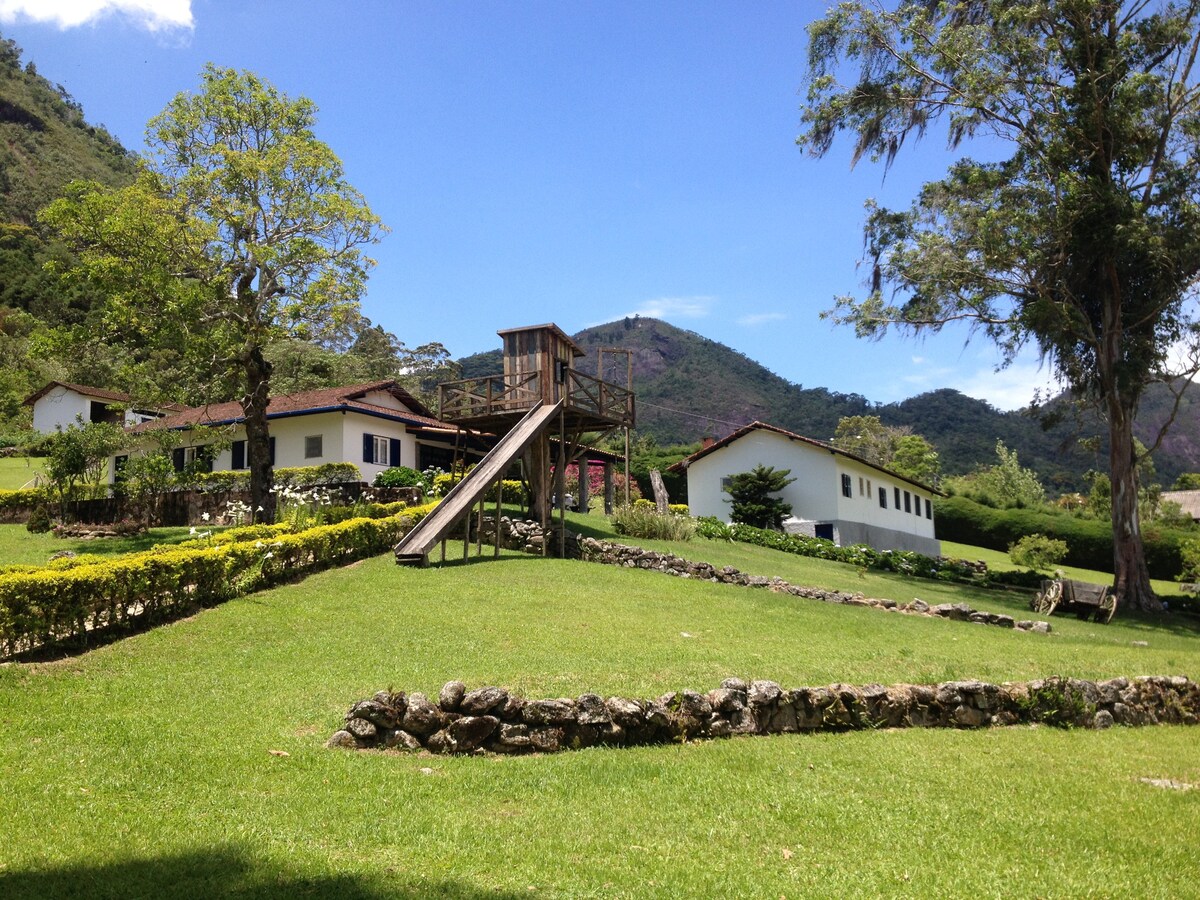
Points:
[(19, 471), (143, 769)]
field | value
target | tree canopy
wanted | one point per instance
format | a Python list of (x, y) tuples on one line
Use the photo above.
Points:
[(240, 231), (1083, 242)]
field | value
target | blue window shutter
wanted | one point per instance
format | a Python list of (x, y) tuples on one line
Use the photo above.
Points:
[(239, 454), (368, 448), (394, 452), (271, 450)]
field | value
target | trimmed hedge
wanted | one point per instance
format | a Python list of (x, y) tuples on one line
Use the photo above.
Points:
[(22, 498), (58, 604), (1089, 541), (284, 477)]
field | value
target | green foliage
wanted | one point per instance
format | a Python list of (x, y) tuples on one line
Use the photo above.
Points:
[(39, 521), (401, 476), (750, 493), (55, 604), (78, 456), (916, 459), (867, 437), (1004, 484), (285, 477), (642, 522), (1189, 553), (1089, 541), (1187, 481), (1038, 552)]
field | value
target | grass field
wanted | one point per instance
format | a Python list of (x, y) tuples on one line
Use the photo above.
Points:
[(144, 768), (19, 471)]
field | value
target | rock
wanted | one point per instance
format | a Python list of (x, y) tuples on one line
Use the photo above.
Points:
[(384, 710), (451, 695), (727, 701), (1103, 719), (483, 701), (546, 740), (361, 728), (918, 606), (422, 717), (735, 684), (440, 742), (342, 740), (626, 713), (763, 693), (592, 710), (1040, 628), (399, 739), (469, 732), (549, 712)]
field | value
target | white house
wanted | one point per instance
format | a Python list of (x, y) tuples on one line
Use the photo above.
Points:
[(60, 405), (374, 425), (835, 494)]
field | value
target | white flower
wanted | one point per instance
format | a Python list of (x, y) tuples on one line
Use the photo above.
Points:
[(260, 509), (205, 516), (192, 530), (268, 555)]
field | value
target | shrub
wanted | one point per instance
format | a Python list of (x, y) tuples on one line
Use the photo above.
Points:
[(401, 476), (39, 520), (640, 522), (1189, 551), (751, 495), (1037, 552)]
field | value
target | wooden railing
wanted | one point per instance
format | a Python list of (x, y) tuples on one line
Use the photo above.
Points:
[(600, 398), (494, 394)]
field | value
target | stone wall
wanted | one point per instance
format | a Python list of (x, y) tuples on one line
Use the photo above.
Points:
[(490, 719), (524, 535)]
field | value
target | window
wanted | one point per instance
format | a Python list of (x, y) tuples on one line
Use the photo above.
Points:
[(313, 446), (897, 498), (847, 486), (883, 498), (238, 450), (726, 484), (380, 451), (860, 486), (928, 509), (907, 502)]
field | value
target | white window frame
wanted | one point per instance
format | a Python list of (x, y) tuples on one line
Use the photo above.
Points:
[(379, 451)]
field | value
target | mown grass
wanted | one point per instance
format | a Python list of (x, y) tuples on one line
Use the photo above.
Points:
[(19, 546), (17, 472), (144, 768)]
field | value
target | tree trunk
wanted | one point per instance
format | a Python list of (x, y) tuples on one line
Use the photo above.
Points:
[(1131, 582), (258, 439)]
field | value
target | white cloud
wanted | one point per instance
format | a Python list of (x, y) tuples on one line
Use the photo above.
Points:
[(673, 308), (1011, 388), (153, 15), (761, 318)]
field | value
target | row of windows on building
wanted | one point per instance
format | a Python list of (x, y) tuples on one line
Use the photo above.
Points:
[(378, 450), (910, 501)]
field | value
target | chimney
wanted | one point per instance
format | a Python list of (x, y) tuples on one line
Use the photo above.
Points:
[(707, 441)]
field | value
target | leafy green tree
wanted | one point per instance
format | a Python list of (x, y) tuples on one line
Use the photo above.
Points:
[(241, 230), (77, 456), (867, 437), (1038, 552), (751, 494), (1187, 481), (915, 458), (1085, 241)]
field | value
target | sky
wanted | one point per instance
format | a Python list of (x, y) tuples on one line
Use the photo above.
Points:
[(568, 162)]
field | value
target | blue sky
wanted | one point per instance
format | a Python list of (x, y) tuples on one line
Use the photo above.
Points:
[(573, 162)]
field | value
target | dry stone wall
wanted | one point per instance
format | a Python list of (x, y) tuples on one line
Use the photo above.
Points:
[(518, 534), (491, 720)]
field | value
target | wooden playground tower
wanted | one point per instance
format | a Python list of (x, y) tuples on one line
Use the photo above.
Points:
[(538, 396)]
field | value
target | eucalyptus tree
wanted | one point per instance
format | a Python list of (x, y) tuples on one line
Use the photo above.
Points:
[(1078, 235), (241, 230)]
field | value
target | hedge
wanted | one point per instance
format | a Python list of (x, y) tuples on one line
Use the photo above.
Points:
[(1089, 541), (284, 477), (56, 604)]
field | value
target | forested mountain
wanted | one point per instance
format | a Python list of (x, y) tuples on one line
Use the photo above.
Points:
[(689, 386)]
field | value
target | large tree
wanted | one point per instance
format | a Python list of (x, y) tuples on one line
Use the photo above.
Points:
[(1080, 234), (241, 230)]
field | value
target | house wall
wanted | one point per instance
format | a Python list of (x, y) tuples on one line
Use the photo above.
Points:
[(59, 408), (816, 493)]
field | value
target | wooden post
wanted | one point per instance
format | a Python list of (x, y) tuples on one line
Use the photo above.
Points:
[(609, 490), (584, 488), (479, 528), (626, 465), (499, 498), (560, 483)]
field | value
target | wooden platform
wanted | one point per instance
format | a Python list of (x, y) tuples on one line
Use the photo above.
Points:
[(494, 402), (414, 548)]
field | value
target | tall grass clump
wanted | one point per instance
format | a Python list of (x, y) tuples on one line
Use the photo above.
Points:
[(638, 521)]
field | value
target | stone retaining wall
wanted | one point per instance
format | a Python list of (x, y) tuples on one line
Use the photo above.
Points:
[(490, 719), (519, 534)]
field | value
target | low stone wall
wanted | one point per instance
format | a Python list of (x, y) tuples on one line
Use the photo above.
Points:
[(490, 719), (519, 534)]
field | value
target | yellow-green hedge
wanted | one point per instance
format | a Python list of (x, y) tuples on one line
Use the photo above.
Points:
[(51, 605)]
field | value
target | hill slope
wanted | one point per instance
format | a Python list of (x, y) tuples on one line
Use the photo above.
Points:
[(689, 386)]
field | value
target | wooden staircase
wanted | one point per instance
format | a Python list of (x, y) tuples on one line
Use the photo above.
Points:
[(414, 547)]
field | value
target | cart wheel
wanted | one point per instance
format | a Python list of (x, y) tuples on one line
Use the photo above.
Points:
[(1107, 608), (1047, 600)]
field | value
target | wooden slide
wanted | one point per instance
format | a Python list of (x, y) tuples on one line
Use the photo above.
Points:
[(414, 547)]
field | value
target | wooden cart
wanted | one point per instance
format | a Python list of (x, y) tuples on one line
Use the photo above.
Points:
[(1088, 601)]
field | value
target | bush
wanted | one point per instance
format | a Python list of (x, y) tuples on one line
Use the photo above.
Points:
[(401, 476), (1037, 552), (285, 477), (39, 520), (71, 602), (640, 522)]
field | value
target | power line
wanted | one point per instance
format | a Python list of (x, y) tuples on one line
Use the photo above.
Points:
[(692, 414)]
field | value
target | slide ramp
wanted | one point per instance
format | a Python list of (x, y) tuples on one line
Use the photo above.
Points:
[(414, 547)]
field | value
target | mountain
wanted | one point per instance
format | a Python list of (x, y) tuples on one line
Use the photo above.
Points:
[(689, 387)]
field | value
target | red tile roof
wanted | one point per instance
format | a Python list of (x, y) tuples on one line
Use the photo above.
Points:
[(347, 397)]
